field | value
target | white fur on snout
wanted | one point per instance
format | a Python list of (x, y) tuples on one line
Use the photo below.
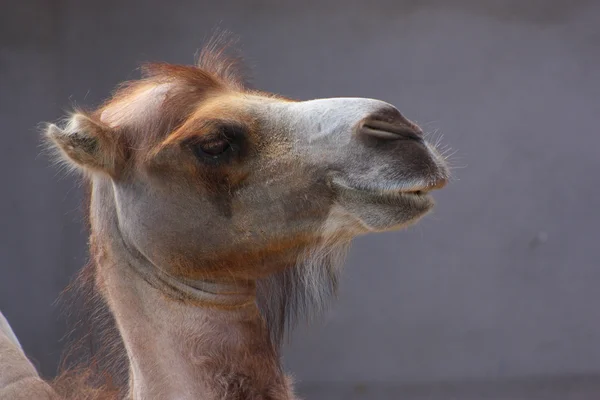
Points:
[(326, 119)]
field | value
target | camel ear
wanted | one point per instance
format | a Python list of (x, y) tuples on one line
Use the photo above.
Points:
[(87, 144)]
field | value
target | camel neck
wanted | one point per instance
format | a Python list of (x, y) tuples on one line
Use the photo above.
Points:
[(179, 350)]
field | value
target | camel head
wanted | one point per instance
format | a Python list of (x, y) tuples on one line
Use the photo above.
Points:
[(216, 183)]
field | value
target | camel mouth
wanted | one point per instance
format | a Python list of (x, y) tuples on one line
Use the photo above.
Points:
[(417, 194), (384, 206), (406, 194), (415, 197), (416, 191), (425, 189)]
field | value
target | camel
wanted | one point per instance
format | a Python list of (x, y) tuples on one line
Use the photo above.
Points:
[(219, 215)]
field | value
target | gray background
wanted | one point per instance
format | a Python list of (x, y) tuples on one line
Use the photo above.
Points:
[(494, 294)]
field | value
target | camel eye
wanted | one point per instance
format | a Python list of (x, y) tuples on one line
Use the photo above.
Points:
[(223, 144), (213, 148)]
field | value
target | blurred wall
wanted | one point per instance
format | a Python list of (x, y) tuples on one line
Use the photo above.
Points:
[(500, 281)]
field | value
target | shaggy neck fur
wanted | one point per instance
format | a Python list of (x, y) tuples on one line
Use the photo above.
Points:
[(214, 347)]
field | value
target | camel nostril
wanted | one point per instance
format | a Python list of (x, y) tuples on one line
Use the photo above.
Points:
[(390, 124), (390, 130)]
